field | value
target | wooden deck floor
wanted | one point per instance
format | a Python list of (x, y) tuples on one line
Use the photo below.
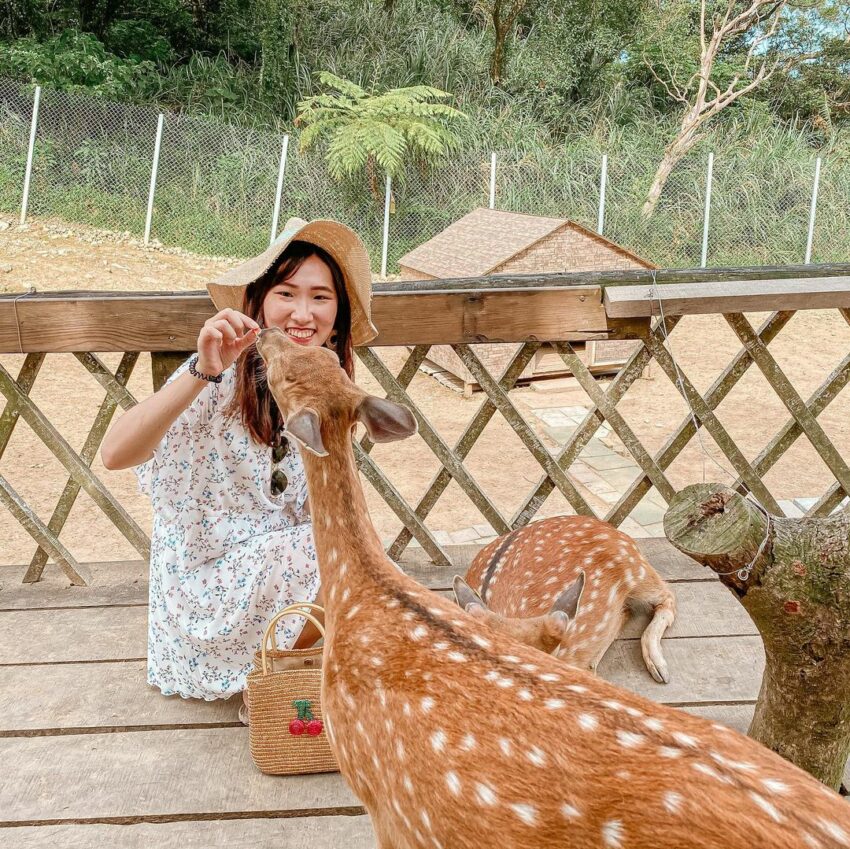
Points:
[(92, 756)]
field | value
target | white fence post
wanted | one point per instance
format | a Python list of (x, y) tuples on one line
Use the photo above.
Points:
[(492, 180), (812, 213), (28, 173), (279, 189), (154, 169), (603, 182), (707, 215), (386, 226)]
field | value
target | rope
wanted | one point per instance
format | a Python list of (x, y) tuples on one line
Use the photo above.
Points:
[(30, 291), (744, 572)]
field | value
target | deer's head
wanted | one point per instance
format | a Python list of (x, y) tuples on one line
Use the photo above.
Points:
[(546, 633), (313, 391)]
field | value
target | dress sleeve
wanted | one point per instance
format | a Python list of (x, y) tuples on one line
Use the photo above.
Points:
[(179, 437)]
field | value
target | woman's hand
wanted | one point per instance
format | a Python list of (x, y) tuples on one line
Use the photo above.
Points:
[(223, 338)]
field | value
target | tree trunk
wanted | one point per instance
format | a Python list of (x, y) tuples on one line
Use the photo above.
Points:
[(674, 153), (497, 60), (798, 595)]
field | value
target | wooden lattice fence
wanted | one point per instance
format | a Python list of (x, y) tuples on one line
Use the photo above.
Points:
[(561, 310)]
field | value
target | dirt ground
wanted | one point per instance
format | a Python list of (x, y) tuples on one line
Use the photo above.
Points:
[(53, 256)]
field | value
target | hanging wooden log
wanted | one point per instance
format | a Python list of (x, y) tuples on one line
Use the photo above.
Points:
[(793, 578)]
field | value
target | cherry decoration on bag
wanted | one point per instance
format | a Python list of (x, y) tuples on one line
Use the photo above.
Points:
[(305, 721)]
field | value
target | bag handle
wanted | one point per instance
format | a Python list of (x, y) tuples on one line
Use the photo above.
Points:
[(303, 608)]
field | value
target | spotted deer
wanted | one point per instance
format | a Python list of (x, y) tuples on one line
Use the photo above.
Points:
[(455, 736), (523, 582)]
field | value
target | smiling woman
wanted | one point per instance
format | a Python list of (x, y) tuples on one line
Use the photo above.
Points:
[(232, 539)]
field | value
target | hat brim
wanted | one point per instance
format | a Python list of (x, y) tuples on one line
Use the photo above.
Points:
[(341, 242)]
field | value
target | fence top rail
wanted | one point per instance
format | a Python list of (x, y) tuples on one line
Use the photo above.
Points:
[(54, 322)]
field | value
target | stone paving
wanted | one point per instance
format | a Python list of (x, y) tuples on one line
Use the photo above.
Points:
[(602, 474)]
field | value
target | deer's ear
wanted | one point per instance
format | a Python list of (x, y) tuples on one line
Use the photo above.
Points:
[(465, 596), (555, 624), (385, 420), (568, 601), (305, 427)]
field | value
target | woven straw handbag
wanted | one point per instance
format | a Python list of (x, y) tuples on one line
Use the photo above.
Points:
[(286, 728)]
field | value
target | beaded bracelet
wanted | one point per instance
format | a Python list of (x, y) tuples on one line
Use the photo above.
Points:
[(212, 378)]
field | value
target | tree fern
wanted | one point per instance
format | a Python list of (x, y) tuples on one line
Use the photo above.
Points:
[(365, 130)]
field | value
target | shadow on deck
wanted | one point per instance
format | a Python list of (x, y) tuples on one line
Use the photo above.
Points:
[(87, 745)]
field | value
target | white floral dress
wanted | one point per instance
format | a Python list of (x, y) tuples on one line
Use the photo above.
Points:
[(225, 553)]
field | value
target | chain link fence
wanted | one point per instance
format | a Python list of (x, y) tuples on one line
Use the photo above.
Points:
[(216, 188)]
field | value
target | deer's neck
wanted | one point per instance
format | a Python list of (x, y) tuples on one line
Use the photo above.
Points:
[(347, 545)]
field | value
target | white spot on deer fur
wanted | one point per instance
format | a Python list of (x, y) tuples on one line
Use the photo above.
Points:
[(612, 834), (614, 705), (419, 632), (505, 746), (440, 646), (352, 611), (775, 785), (405, 708), (812, 841), (408, 784), (510, 658), (555, 704), (570, 812), (345, 593), (427, 703), (672, 802), (525, 695), (453, 783), (630, 740), (393, 603), (485, 795), (426, 820), (438, 741), (377, 661), (766, 806), (587, 721), (528, 667), (548, 676), (577, 688), (536, 756), (670, 752), (705, 769), (399, 750), (526, 813), (835, 831), (456, 656), (468, 743), (653, 724), (685, 740)]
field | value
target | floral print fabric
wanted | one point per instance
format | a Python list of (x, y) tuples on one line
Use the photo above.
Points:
[(226, 554)]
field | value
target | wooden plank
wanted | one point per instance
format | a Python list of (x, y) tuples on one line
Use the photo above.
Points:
[(709, 669), (153, 774), (131, 321), (66, 635), (328, 832), (72, 697), (119, 582), (722, 297)]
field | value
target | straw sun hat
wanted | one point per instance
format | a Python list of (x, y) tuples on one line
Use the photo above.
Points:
[(342, 243)]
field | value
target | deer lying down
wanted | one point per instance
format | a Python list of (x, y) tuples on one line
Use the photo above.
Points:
[(520, 583), (456, 737)]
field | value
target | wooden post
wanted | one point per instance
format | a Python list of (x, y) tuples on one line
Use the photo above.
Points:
[(163, 365), (30, 151), (793, 578)]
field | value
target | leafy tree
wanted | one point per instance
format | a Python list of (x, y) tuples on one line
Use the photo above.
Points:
[(377, 131)]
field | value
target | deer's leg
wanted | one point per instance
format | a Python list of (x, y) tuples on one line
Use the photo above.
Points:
[(663, 603), (602, 641)]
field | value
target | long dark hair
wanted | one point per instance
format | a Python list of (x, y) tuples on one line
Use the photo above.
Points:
[(252, 400)]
